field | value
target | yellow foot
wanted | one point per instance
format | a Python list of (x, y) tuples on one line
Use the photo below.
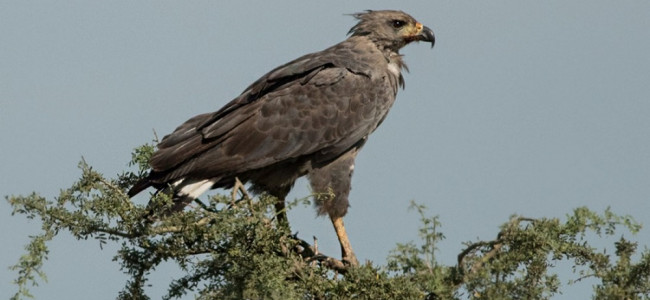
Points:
[(346, 250)]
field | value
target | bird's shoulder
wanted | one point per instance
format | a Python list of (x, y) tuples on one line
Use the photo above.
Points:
[(356, 55), (328, 79)]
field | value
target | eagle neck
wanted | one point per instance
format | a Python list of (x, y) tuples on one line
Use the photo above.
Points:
[(395, 66)]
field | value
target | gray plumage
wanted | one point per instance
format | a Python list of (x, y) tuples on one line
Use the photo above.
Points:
[(307, 117)]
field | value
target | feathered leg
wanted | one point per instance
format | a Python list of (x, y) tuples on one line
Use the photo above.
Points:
[(280, 194), (331, 184)]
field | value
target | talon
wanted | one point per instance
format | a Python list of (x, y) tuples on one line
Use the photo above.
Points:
[(351, 261)]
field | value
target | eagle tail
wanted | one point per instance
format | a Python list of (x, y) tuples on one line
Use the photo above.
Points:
[(139, 186), (184, 192)]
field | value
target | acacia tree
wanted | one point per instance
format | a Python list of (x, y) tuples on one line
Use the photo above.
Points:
[(231, 247)]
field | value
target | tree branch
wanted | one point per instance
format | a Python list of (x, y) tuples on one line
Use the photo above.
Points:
[(310, 254), (495, 246)]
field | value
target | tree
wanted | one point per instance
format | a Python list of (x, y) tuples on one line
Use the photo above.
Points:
[(231, 247)]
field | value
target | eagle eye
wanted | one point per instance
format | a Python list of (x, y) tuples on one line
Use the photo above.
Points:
[(398, 24)]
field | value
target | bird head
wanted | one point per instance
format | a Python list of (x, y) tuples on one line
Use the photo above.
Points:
[(391, 29)]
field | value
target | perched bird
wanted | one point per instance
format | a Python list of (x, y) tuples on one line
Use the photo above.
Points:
[(310, 117)]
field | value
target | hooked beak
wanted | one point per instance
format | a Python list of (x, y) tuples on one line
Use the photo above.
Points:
[(426, 35)]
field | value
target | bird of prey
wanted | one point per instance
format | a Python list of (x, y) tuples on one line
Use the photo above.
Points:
[(310, 116)]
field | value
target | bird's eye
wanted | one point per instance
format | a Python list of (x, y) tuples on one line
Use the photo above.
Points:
[(398, 23)]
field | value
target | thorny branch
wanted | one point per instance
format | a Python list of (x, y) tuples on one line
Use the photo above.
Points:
[(494, 245), (310, 255)]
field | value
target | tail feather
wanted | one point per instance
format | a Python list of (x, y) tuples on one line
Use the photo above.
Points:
[(184, 192), (139, 186)]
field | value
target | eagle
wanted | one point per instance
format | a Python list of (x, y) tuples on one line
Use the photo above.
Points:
[(309, 117)]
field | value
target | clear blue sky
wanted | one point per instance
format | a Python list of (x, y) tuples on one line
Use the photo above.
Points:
[(527, 107)]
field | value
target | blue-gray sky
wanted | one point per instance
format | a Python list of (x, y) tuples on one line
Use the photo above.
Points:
[(526, 107)]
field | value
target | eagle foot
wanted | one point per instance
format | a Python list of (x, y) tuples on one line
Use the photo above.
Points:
[(350, 259), (311, 255)]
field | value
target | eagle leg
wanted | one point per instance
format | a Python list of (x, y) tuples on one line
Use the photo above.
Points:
[(281, 213), (280, 193), (239, 187), (346, 250), (331, 183)]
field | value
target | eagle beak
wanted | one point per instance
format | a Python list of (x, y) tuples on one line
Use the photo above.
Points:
[(426, 35)]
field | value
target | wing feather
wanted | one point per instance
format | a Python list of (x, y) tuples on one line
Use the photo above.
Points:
[(320, 103)]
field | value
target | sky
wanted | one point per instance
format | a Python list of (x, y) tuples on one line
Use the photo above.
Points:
[(522, 107)]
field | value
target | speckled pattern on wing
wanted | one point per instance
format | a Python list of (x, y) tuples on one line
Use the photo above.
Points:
[(296, 119)]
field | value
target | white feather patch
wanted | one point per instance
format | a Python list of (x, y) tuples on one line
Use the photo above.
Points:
[(394, 68), (178, 182), (195, 190)]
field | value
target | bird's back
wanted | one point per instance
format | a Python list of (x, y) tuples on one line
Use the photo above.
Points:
[(306, 112)]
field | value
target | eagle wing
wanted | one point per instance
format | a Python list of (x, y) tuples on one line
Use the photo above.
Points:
[(321, 103)]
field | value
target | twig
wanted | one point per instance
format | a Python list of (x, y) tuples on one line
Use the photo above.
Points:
[(155, 136), (117, 233), (171, 229), (584, 277), (479, 264), (310, 254), (205, 206), (122, 194), (330, 263), (472, 247), (496, 246)]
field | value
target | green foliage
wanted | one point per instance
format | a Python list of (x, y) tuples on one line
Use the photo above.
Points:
[(234, 249)]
